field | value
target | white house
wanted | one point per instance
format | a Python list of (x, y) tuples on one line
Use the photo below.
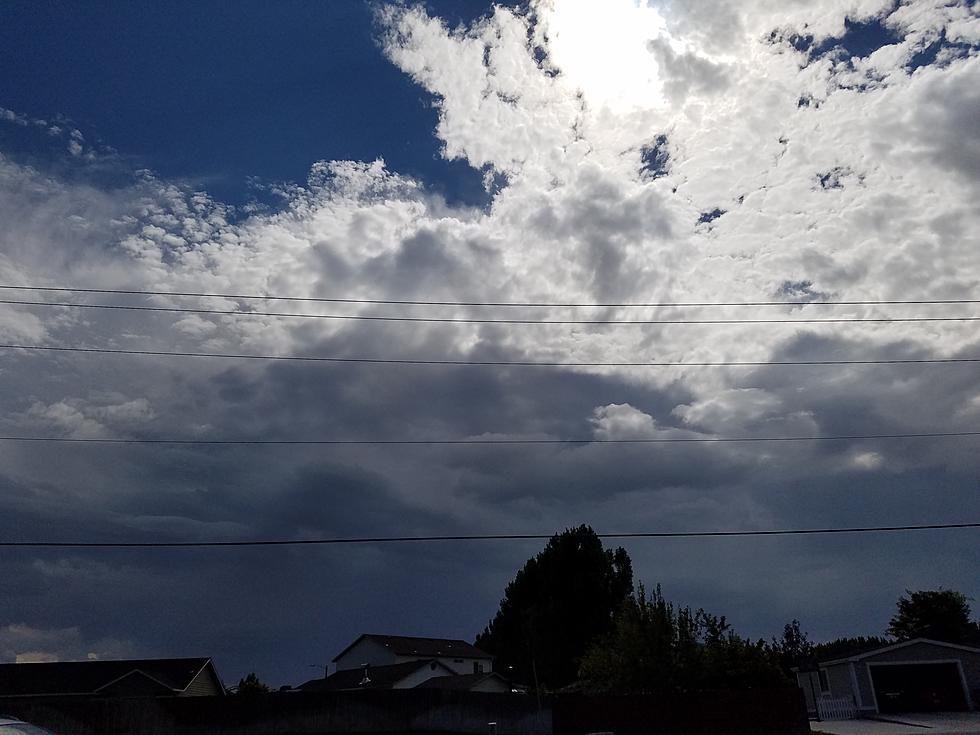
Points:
[(458, 656)]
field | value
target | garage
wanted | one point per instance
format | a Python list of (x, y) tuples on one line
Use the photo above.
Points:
[(917, 675), (918, 687)]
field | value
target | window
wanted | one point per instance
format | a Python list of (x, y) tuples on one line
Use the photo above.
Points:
[(824, 684), (477, 667)]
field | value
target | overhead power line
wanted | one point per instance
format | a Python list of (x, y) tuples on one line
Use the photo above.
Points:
[(472, 537), (531, 304), (489, 441), (493, 363), (473, 320)]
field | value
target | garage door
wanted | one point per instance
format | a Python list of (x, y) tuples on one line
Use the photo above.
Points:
[(918, 687)]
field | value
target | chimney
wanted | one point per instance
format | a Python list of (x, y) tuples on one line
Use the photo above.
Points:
[(365, 680)]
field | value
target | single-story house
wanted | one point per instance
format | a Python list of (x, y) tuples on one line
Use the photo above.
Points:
[(384, 650), (161, 677), (918, 675)]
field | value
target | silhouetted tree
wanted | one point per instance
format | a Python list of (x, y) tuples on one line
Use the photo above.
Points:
[(251, 684), (793, 649), (844, 647), (942, 615), (654, 646), (556, 605)]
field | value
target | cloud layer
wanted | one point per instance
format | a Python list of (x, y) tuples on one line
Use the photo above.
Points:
[(770, 153)]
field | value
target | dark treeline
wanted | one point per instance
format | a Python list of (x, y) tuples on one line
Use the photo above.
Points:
[(654, 646), (571, 618)]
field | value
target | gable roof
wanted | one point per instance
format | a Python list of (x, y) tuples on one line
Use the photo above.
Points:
[(463, 682), (381, 677), (402, 645), (898, 646), (89, 677), (137, 678)]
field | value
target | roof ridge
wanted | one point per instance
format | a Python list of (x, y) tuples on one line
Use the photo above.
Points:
[(105, 661), (416, 637)]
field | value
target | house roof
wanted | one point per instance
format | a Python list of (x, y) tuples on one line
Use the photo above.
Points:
[(898, 646), (88, 677), (459, 681), (381, 677), (402, 645)]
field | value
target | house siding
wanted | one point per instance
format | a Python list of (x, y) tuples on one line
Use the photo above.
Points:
[(809, 682), (205, 684), (863, 676), (839, 679), (368, 651)]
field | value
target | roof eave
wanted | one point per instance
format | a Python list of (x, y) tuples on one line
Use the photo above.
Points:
[(895, 647)]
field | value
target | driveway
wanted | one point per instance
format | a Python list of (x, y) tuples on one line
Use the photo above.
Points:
[(942, 723)]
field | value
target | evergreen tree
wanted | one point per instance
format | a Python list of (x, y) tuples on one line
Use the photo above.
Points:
[(558, 603)]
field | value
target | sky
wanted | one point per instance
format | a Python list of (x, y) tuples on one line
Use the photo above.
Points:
[(549, 152)]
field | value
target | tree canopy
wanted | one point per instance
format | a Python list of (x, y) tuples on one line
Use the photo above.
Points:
[(251, 684), (793, 649), (943, 615), (844, 647), (654, 646), (558, 603)]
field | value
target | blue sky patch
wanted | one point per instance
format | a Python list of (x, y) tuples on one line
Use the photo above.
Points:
[(802, 290), (215, 94), (860, 38), (834, 179), (940, 52), (655, 158), (710, 216)]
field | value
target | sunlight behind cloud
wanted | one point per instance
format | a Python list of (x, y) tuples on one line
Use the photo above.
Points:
[(601, 49)]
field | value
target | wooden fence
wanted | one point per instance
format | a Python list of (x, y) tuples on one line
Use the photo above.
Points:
[(422, 712)]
